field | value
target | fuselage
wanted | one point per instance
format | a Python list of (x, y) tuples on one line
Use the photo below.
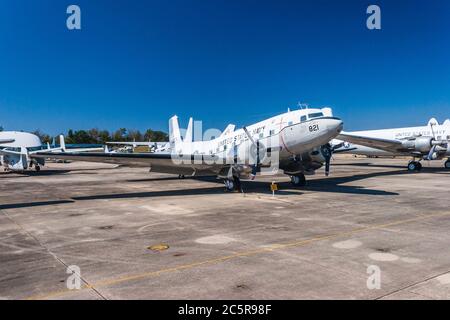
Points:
[(23, 142), (292, 134), (21, 139)]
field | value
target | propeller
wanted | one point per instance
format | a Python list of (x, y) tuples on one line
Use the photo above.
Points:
[(437, 145), (327, 151), (256, 165)]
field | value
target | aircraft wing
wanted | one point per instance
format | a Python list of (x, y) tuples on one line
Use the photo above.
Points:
[(157, 162), (372, 142), (130, 143), (137, 143)]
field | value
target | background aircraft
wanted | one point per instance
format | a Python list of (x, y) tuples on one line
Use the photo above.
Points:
[(299, 138), (17, 150), (429, 142)]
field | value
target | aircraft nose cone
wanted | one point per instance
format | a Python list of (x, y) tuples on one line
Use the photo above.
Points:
[(335, 125)]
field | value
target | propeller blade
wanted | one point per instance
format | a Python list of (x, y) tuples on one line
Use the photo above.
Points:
[(230, 173), (327, 167), (430, 154), (327, 152)]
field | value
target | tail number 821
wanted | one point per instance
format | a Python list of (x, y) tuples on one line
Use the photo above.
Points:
[(314, 127)]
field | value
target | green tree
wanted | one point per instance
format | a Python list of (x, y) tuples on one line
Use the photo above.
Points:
[(134, 135), (42, 136), (119, 135), (156, 136), (104, 136)]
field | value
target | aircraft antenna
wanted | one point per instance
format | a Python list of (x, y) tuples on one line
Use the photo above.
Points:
[(302, 105)]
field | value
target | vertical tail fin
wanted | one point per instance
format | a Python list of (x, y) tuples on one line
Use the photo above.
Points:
[(62, 143), (189, 132), (174, 133)]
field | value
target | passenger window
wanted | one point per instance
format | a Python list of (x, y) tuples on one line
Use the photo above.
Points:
[(272, 132), (290, 123)]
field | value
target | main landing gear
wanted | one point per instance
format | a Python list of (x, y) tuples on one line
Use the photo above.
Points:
[(233, 184), (298, 180), (447, 164), (414, 166), (37, 168)]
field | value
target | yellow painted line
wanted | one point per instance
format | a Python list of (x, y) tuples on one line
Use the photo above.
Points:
[(270, 248)]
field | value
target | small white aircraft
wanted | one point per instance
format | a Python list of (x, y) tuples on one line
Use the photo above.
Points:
[(17, 150), (431, 142), (296, 142)]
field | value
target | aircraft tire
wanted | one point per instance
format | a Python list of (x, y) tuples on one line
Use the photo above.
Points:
[(414, 166), (229, 185), (298, 180), (447, 164)]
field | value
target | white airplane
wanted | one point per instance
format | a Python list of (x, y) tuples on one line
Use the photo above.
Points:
[(296, 142), (429, 142), (17, 150)]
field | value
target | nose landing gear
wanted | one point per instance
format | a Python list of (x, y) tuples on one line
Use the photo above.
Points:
[(298, 180), (234, 184)]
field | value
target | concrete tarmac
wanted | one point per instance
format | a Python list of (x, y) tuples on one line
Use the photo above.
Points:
[(132, 234)]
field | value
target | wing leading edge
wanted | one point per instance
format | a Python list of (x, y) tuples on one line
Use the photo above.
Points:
[(372, 142)]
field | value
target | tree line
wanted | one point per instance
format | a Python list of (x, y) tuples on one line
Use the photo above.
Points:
[(96, 136)]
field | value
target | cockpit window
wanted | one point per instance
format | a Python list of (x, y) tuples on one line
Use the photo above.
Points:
[(315, 115), (35, 148), (302, 118)]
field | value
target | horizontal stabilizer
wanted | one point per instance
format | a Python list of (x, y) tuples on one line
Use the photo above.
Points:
[(6, 141)]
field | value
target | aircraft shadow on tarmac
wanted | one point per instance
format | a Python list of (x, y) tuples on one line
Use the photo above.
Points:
[(399, 166), (47, 172), (325, 184)]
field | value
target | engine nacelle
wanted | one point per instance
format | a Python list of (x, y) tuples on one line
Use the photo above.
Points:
[(420, 144)]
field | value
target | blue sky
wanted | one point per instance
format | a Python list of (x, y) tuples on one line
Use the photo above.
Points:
[(136, 63)]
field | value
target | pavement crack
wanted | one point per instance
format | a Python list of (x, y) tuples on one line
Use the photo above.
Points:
[(411, 285), (87, 284)]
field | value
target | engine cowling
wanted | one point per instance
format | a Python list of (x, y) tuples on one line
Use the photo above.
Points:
[(420, 144)]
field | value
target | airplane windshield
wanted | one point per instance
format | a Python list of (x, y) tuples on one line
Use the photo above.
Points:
[(315, 115)]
